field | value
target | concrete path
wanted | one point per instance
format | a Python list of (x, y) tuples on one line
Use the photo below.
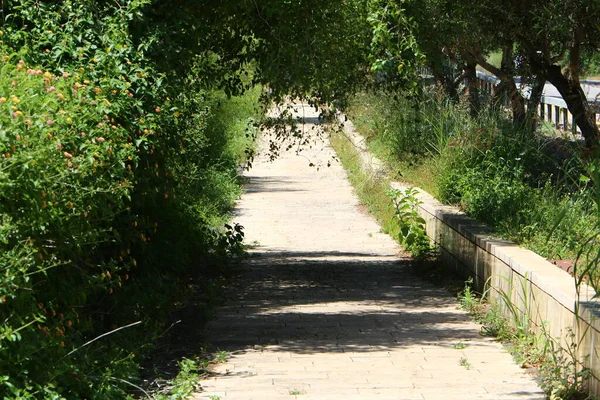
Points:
[(326, 307)]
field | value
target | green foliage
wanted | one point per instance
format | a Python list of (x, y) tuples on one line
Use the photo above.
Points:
[(465, 363), (563, 376), (527, 187), (395, 54), (587, 262), (296, 392), (561, 373), (468, 299), (492, 190), (185, 383), (221, 356), (591, 64), (370, 190), (404, 127), (116, 177), (412, 233)]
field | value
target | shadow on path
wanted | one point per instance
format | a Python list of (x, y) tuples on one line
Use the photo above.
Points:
[(294, 303)]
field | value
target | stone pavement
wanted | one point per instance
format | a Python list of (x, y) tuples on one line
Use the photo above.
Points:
[(326, 307)]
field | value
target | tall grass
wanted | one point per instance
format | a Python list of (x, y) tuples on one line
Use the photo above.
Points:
[(526, 186), (370, 189)]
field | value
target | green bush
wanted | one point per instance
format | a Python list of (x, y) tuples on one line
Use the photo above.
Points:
[(115, 182), (526, 186)]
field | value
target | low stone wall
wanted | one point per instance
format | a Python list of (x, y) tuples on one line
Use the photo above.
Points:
[(541, 295)]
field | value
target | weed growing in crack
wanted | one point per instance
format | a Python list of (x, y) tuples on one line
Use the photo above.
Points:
[(465, 363), (468, 299), (563, 376), (221, 356)]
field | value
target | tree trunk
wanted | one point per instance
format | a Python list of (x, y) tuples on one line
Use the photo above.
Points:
[(517, 104), (507, 85), (577, 103), (447, 83), (472, 88), (535, 97)]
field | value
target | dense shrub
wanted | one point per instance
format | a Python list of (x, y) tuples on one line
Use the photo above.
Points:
[(526, 186), (115, 179)]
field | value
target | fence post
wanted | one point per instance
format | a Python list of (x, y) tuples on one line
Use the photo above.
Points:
[(565, 118)]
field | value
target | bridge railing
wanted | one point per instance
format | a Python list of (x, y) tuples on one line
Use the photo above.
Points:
[(551, 109)]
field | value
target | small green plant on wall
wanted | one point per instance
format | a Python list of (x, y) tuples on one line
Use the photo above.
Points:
[(412, 226)]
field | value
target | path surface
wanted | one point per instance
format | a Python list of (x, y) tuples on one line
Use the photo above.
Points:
[(326, 307)]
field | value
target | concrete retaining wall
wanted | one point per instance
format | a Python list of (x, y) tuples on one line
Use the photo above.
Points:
[(542, 294)]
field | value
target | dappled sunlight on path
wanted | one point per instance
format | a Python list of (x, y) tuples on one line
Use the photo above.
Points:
[(326, 306)]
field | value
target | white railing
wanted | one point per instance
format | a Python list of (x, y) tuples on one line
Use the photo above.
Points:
[(551, 109)]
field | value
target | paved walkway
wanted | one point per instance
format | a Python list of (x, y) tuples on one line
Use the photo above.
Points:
[(326, 307)]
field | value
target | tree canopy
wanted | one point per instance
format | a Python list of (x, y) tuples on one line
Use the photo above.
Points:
[(547, 38), (117, 158)]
